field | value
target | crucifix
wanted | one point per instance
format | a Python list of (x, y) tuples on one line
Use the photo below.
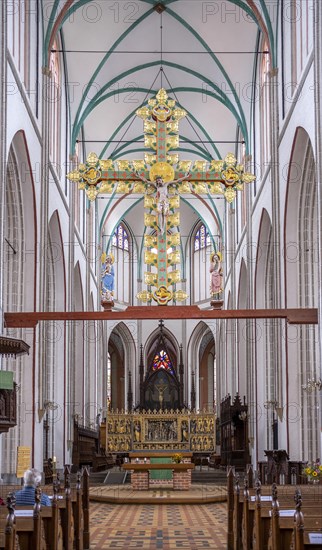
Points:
[(162, 184), (161, 387)]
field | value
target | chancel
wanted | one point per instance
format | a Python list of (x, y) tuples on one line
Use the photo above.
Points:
[(160, 267)]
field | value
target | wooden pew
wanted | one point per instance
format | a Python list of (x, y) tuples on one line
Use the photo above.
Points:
[(63, 525), (10, 529), (85, 504), (272, 530), (52, 522), (244, 507), (237, 516), (78, 515), (230, 509), (67, 513)]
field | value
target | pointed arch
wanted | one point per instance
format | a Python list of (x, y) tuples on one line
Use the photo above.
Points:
[(122, 353), (77, 374), (265, 357), (201, 357), (53, 375), (19, 285), (301, 283)]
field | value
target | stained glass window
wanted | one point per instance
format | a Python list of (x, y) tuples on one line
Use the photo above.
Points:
[(162, 361), (120, 238), (202, 238)]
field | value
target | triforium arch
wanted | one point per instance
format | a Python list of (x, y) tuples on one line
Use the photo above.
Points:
[(266, 384), (19, 273), (120, 366), (242, 376), (202, 355), (52, 374), (301, 290), (77, 358)]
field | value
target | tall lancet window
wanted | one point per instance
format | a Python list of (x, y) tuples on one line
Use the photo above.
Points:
[(200, 264), (121, 246), (265, 108), (54, 99)]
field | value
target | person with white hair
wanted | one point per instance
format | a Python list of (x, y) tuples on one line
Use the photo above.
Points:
[(26, 497)]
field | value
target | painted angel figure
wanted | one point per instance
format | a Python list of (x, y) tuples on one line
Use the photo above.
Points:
[(216, 274), (107, 280), (161, 188)]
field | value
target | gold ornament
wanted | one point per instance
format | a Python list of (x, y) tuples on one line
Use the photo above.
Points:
[(173, 158), (92, 159), (106, 164), (150, 220), (144, 296), (174, 202), (74, 176), (216, 165), (180, 295), (143, 112), (92, 176), (162, 295), (248, 178), (150, 158), (174, 240), (230, 194), (162, 169), (150, 241), (230, 177), (230, 159), (172, 142), (199, 166), (173, 277), (150, 278), (174, 258)]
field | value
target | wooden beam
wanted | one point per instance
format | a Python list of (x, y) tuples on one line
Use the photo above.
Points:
[(293, 316)]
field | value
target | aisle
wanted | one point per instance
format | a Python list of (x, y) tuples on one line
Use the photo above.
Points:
[(158, 527)]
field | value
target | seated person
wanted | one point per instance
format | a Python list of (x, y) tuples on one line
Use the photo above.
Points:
[(26, 497)]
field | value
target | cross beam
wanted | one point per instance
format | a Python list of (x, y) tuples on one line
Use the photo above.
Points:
[(30, 319)]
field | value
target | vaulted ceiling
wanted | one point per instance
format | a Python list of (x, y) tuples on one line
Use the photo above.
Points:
[(118, 54)]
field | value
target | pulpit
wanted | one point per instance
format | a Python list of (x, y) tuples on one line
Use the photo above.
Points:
[(234, 432), (8, 409)]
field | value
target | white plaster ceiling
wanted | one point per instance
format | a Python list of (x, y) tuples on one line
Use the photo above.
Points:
[(192, 26)]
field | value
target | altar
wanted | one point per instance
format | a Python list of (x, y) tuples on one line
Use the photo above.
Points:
[(160, 421), (143, 468), (172, 431)]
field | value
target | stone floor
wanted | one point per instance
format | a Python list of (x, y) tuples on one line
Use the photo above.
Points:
[(158, 526), (197, 494)]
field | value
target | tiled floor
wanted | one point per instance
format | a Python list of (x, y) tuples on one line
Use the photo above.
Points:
[(158, 526), (124, 494)]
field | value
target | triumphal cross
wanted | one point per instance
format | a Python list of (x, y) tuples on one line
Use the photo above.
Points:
[(162, 178)]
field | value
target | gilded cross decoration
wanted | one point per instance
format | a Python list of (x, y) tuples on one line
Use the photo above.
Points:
[(162, 184)]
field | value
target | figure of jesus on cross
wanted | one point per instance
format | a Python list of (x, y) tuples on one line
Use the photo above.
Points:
[(161, 188)]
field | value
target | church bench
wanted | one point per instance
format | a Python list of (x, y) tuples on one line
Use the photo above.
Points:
[(242, 507), (273, 522), (65, 524)]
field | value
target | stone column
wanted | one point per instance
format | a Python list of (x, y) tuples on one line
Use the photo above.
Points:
[(250, 323), (3, 152), (43, 230), (3, 136), (70, 329), (318, 158), (276, 231), (231, 336)]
